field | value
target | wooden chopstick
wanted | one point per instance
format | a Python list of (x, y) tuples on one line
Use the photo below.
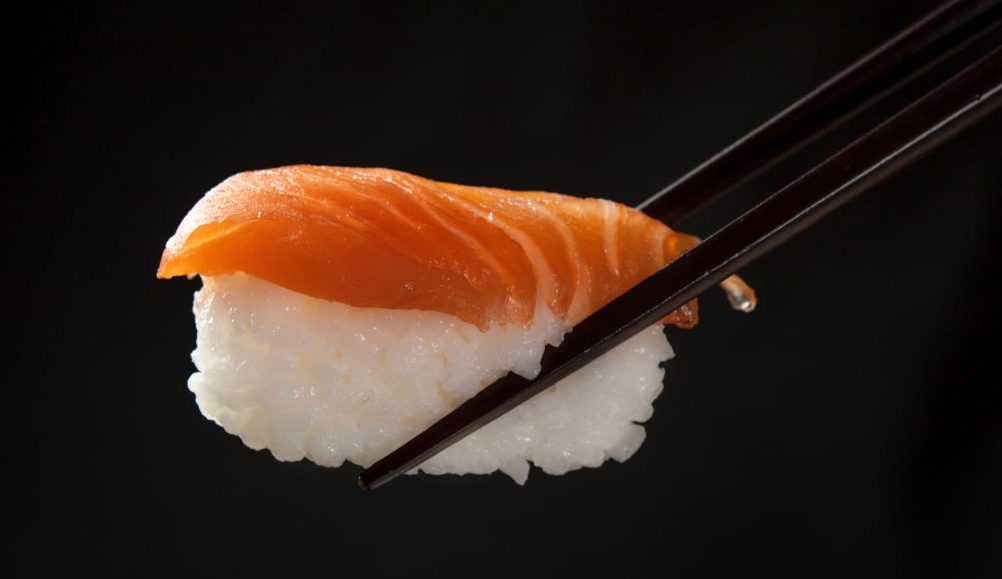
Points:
[(914, 50), (930, 120)]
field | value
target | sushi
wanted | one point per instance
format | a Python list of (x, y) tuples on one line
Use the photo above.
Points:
[(343, 310)]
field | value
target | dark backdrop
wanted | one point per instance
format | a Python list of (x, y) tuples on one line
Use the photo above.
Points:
[(850, 427)]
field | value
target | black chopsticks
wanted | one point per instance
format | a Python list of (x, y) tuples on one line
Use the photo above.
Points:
[(928, 121), (914, 50)]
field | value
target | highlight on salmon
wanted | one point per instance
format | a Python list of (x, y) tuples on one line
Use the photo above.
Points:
[(343, 310)]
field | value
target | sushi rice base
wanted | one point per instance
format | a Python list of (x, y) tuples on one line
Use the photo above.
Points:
[(309, 378)]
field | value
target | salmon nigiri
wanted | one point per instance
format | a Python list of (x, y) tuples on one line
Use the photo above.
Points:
[(343, 310)]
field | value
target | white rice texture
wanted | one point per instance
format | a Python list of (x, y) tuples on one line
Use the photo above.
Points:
[(305, 377)]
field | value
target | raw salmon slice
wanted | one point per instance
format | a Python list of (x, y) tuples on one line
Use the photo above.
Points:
[(388, 239)]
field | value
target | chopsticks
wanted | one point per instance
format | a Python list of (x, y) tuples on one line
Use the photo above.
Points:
[(939, 114), (914, 50)]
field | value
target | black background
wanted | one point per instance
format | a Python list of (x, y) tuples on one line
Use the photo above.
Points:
[(849, 427)]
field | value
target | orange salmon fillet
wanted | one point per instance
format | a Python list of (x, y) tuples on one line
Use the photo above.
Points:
[(389, 239)]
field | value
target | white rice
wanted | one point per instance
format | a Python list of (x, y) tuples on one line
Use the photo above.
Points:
[(305, 377)]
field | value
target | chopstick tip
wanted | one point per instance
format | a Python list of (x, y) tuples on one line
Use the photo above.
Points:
[(374, 477)]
